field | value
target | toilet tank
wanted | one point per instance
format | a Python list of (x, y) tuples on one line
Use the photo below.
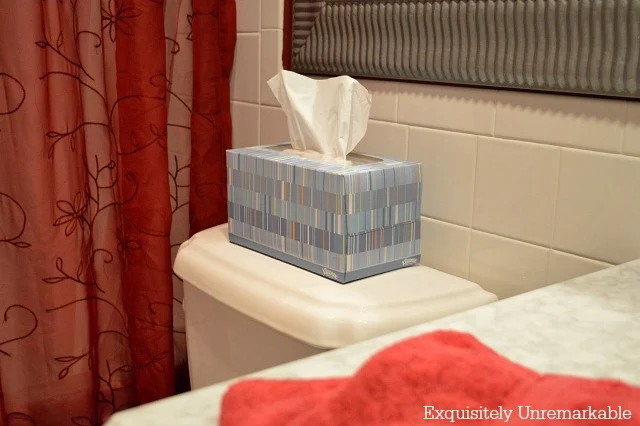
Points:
[(247, 312), (223, 343)]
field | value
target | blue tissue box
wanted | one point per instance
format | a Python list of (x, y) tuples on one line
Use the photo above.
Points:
[(345, 222)]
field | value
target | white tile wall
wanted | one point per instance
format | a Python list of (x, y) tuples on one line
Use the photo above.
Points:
[(632, 130), (273, 126), (445, 246), (270, 63), (564, 266), (599, 206), (248, 16), (446, 107), (385, 139), (595, 124), (506, 267), (245, 79), (384, 97), (518, 189), (244, 118), (448, 165), (272, 14)]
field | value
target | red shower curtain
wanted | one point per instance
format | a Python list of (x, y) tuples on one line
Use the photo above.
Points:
[(85, 214), (214, 40)]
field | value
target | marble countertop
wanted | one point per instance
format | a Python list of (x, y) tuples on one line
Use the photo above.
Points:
[(588, 326)]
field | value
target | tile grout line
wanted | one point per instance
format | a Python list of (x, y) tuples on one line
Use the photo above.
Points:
[(473, 198), (260, 39), (624, 130), (495, 118), (407, 131), (556, 202), (260, 73), (554, 218), (457, 225), (526, 141), (556, 197), (397, 87), (475, 179), (519, 240), (585, 257), (469, 253), (244, 102), (259, 126), (547, 262), (528, 243)]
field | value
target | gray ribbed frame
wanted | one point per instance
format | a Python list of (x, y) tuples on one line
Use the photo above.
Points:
[(577, 46)]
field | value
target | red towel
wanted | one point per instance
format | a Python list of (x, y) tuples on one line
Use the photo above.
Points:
[(439, 378)]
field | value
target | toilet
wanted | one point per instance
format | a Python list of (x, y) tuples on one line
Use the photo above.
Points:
[(247, 312)]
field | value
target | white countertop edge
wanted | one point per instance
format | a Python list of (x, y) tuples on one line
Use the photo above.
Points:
[(587, 326)]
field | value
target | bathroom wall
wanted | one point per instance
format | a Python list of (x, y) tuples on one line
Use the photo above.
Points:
[(521, 190)]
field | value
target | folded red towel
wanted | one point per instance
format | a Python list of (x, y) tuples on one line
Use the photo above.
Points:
[(439, 378)]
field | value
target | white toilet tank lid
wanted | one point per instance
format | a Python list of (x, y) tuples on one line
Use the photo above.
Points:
[(311, 308)]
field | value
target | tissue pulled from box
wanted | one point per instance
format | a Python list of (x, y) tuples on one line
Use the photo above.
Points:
[(326, 118)]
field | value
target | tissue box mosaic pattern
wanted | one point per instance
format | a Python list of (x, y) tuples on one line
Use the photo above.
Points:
[(343, 222)]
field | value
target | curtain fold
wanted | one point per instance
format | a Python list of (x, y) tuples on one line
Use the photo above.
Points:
[(214, 38), (146, 215), (91, 184), (179, 53)]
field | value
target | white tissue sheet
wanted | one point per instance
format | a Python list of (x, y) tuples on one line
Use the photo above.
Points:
[(326, 118)]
